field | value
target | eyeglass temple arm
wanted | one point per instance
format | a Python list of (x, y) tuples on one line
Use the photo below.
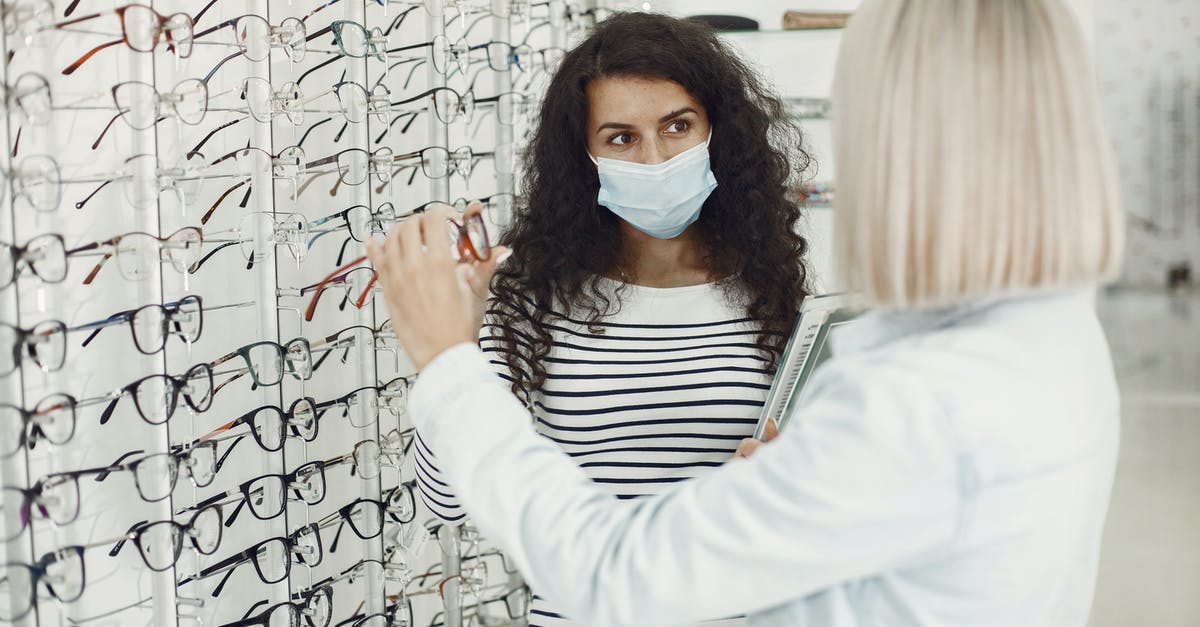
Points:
[(246, 621), (196, 266), (129, 535), (213, 72), (337, 536), (412, 115), (212, 29), (227, 566), (318, 66), (332, 277), (221, 461), (100, 325), (310, 130), (427, 44), (399, 20), (88, 198), (70, 69), (220, 199), (199, 14), (210, 134), (106, 415), (239, 374), (318, 33)]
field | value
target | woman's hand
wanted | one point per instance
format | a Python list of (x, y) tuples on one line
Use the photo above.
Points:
[(750, 445), (478, 275), (435, 302)]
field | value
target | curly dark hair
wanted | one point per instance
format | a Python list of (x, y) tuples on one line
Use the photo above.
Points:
[(563, 242)]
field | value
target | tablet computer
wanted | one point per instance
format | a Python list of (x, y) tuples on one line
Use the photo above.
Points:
[(806, 349)]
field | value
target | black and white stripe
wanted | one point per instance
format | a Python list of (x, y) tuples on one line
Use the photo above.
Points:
[(664, 392)]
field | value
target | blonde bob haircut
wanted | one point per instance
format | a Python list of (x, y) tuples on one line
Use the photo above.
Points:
[(972, 160)]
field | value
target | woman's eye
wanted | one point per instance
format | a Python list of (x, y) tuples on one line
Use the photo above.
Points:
[(678, 126), (621, 140)]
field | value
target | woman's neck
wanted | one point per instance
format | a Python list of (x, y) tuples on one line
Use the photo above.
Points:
[(654, 262)]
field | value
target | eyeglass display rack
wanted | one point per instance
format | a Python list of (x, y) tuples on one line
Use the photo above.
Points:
[(149, 122)]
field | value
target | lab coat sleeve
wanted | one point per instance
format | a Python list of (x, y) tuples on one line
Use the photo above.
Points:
[(863, 482), (435, 490)]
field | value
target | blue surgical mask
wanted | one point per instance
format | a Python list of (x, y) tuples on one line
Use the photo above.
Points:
[(660, 200)]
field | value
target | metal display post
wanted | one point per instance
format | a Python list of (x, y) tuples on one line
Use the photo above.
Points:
[(439, 189), (358, 134), (145, 177), (502, 31), (266, 279), (13, 470)]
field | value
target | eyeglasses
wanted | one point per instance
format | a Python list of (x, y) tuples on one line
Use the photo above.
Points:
[(26, 18), (142, 106), (265, 495), (470, 242), (154, 476), (30, 94), (382, 338), (316, 609), (44, 256), (204, 529), (438, 162), (498, 206), (509, 106), (156, 396), (138, 253), (255, 36), (143, 179), (272, 558), (152, 324), (470, 238), (52, 419), (354, 280), (258, 235), (19, 506), (501, 55), (268, 361), (369, 457), (264, 103), (141, 29), (60, 573), (354, 165), (354, 41), (45, 344), (447, 104), (370, 569), (359, 220), (366, 516), (397, 614), (287, 164), (269, 424), (443, 53), (355, 103), (38, 180)]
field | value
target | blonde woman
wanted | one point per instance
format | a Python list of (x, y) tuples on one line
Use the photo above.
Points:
[(952, 463)]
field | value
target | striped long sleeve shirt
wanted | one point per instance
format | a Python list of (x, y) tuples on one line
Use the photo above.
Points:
[(659, 392)]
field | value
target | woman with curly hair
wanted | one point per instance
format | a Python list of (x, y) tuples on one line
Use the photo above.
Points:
[(656, 267)]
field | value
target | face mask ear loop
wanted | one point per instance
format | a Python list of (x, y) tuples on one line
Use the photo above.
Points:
[(594, 162), (706, 142)]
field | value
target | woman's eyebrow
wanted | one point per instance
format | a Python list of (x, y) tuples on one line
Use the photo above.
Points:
[(666, 118), (622, 126), (676, 113)]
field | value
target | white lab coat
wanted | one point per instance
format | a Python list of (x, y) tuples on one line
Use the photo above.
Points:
[(946, 468)]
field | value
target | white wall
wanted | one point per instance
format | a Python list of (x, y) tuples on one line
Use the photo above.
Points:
[(1148, 66)]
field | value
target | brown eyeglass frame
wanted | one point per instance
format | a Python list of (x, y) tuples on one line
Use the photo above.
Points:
[(175, 46)]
